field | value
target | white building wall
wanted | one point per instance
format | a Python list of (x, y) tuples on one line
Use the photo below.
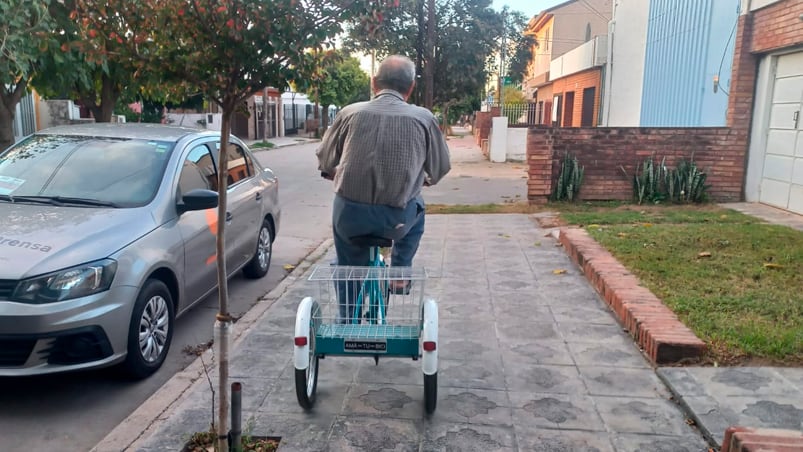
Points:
[(624, 81)]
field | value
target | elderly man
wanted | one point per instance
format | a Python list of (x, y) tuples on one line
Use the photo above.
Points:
[(379, 154)]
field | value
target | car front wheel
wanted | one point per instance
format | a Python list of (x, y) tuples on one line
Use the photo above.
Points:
[(258, 266), (150, 331)]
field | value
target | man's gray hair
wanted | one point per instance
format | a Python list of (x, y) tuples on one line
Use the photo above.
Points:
[(396, 72)]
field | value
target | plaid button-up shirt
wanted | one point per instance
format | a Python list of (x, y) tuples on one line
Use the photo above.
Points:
[(383, 150)]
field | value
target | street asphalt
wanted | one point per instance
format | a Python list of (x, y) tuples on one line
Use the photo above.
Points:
[(530, 359)]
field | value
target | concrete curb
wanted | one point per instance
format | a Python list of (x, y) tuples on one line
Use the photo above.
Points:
[(145, 420), (657, 330)]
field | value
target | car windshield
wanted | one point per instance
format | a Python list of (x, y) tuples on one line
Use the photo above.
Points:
[(84, 170)]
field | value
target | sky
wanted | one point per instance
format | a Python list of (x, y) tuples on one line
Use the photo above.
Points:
[(528, 7)]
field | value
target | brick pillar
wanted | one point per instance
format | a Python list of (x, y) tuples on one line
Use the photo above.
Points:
[(540, 162), (743, 76)]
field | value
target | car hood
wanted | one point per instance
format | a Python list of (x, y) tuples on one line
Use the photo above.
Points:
[(37, 239)]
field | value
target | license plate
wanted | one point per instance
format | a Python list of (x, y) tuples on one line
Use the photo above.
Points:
[(351, 345)]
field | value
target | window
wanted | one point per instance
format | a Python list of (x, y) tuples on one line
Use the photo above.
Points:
[(546, 41), (198, 171), (240, 165), (588, 31)]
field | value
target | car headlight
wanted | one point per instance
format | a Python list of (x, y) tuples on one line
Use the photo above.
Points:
[(66, 284)]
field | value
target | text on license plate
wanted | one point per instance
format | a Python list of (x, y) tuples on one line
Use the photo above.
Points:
[(379, 346)]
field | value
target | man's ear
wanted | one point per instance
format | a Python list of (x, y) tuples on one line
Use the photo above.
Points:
[(409, 91)]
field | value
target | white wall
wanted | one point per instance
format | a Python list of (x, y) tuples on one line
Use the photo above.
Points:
[(624, 81), (191, 120), (585, 56), (516, 144)]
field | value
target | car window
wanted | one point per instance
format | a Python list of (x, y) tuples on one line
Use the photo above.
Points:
[(126, 172), (240, 165), (197, 171)]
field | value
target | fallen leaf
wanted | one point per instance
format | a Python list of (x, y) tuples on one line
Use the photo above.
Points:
[(771, 265), (504, 235), (289, 267), (537, 244), (690, 422), (704, 254), (593, 226), (559, 271), (622, 234), (647, 225)]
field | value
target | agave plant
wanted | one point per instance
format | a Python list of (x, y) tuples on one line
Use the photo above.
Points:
[(569, 180)]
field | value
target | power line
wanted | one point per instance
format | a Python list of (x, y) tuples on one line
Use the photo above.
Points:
[(594, 10)]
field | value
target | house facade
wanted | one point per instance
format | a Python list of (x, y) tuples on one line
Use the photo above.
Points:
[(669, 63), (767, 100), (562, 89)]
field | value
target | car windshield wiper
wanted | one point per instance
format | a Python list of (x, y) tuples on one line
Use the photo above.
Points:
[(59, 200), (6, 198)]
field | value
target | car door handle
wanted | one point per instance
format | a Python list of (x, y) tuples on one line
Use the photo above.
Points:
[(259, 196), (228, 217)]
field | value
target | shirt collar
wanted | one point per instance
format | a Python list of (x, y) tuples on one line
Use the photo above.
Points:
[(393, 93)]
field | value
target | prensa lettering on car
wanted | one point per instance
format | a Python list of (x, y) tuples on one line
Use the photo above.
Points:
[(24, 244), (108, 234)]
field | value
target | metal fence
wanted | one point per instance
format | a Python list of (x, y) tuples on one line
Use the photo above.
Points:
[(524, 114)]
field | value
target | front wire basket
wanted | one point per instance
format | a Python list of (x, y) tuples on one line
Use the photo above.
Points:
[(402, 315)]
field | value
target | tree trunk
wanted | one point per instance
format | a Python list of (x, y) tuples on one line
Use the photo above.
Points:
[(429, 56), (8, 108), (325, 120), (223, 320), (108, 99)]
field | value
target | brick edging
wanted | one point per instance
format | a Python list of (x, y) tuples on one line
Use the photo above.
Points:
[(746, 439), (655, 328)]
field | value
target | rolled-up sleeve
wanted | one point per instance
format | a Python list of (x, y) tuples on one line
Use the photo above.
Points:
[(331, 147), (437, 162)]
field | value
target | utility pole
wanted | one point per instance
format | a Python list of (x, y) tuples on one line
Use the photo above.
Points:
[(429, 58), (502, 62), (419, 52)]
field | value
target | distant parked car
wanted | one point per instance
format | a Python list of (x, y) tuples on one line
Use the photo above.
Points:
[(107, 234)]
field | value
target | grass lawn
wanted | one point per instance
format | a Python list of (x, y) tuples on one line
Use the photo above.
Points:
[(735, 281)]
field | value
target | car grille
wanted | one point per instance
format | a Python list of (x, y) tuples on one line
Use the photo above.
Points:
[(7, 288), (15, 352)]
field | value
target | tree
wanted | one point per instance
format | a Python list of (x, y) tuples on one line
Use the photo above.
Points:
[(466, 36), (228, 50), (512, 95), (342, 82), (94, 69), (24, 38), (520, 49)]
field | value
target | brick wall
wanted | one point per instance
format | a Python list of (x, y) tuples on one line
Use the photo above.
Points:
[(482, 124), (605, 151), (778, 26)]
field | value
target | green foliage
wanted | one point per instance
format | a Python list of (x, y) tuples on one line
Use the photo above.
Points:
[(513, 95), (342, 81), (569, 180), (657, 183), (467, 37), (24, 38)]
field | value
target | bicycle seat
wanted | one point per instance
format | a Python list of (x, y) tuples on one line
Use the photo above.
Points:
[(371, 240)]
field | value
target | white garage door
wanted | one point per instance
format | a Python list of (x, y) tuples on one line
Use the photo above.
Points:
[(782, 178)]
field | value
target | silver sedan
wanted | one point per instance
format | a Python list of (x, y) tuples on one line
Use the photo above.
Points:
[(108, 233)]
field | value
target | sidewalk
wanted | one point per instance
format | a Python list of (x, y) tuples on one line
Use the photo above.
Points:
[(529, 359)]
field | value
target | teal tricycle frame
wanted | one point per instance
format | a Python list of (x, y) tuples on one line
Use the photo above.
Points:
[(385, 321)]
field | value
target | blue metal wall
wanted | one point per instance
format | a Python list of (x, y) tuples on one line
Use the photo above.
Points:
[(688, 43)]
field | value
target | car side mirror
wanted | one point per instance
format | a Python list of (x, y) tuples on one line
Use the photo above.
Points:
[(198, 199)]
